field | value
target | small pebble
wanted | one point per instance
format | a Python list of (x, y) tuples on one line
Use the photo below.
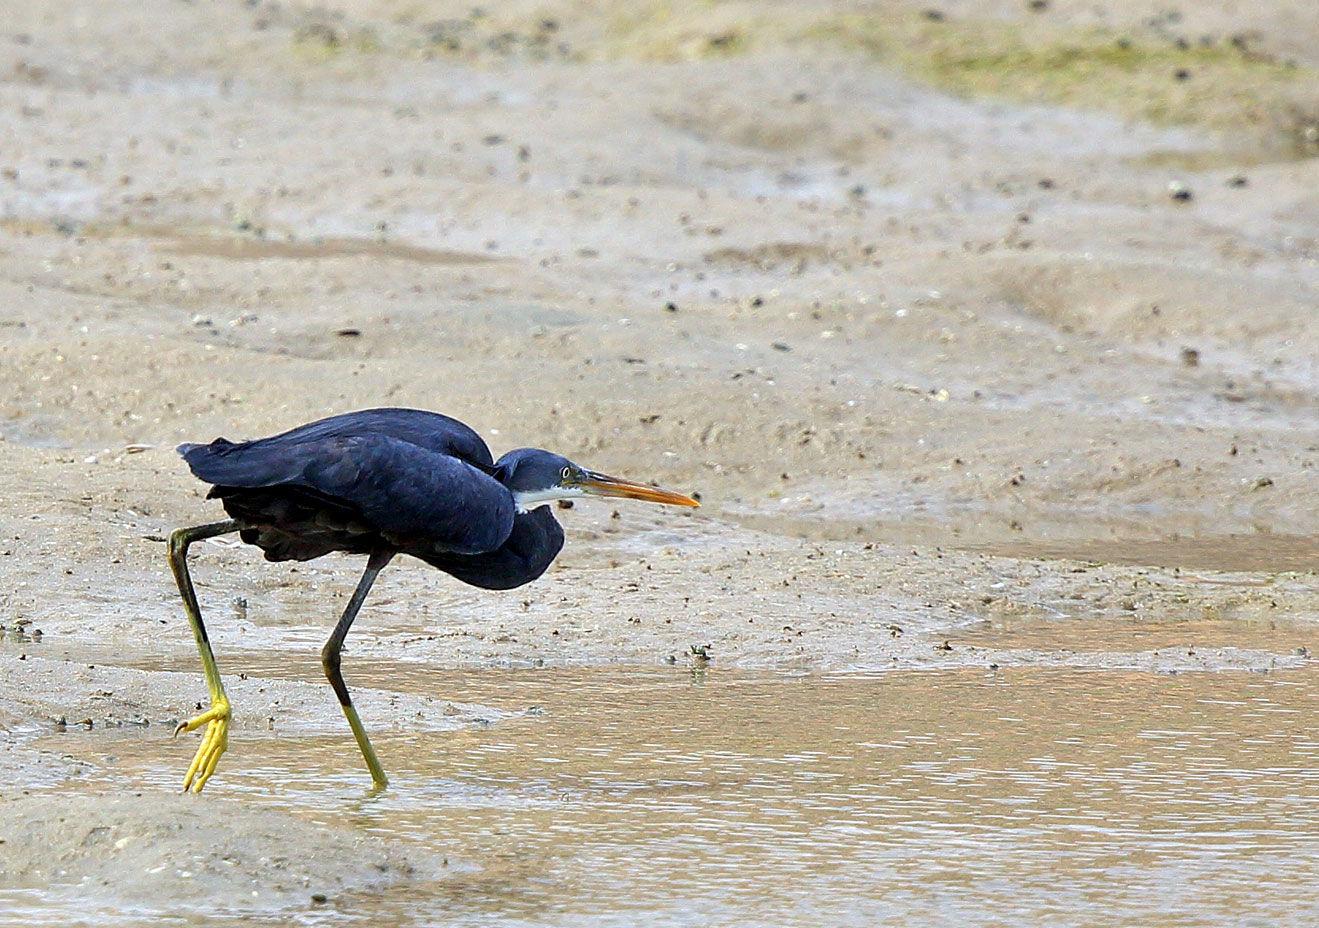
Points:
[(1179, 191)]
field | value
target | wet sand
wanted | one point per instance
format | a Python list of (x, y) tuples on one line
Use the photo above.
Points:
[(998, 392)]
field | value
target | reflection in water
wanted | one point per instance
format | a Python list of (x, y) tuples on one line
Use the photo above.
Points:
[(635, 797)]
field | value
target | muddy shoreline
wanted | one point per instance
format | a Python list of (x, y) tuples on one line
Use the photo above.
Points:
[(985, 334)]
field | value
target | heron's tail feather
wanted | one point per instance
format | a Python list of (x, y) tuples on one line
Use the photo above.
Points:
[(249, 464)]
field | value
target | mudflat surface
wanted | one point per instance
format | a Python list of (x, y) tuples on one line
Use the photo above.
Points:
[(985, 332)]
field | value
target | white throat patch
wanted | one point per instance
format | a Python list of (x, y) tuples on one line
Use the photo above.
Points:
[(525, 499)]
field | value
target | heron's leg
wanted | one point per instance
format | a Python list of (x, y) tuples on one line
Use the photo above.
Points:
[(216, 718), (330, 661)]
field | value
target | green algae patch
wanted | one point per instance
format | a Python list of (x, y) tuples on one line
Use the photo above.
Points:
[(1221, 83), (1215, 85), (669, 33)]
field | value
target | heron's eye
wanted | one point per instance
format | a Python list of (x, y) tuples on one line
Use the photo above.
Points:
[(565, 473)]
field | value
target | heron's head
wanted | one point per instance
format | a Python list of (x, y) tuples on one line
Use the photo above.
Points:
[(536, 476)]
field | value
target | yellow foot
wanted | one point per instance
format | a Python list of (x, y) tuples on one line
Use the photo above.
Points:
[(214, 741)]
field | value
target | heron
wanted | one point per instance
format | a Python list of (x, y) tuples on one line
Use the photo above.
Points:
[(379, 482)]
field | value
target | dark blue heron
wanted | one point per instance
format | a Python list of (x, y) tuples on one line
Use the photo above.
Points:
[(380, 482)]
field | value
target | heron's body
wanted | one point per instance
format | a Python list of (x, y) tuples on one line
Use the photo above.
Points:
[(406, 480), (381, 482)]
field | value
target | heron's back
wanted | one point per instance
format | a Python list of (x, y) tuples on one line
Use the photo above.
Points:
[(281, 458)]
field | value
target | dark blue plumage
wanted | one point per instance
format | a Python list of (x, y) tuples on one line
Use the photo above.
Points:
[(416, 482)]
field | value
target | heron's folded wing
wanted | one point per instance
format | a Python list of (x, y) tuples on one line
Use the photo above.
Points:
[(407, 492), (432, 431)]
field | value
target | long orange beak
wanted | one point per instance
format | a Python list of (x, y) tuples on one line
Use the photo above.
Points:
[(604, 485)]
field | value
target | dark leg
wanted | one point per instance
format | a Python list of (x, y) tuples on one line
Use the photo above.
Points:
[(216, 718), (330, 661)]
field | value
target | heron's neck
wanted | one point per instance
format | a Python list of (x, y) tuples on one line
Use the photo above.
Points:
[(525, 499)]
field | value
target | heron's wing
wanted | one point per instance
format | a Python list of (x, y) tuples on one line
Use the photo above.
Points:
[(408, 493), (429, 430)]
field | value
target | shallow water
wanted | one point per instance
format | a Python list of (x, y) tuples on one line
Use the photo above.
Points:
[(665, 798), (1131, 632)]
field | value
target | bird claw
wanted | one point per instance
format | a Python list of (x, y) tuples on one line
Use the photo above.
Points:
[(214, 742)]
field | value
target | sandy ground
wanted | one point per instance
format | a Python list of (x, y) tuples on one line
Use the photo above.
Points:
[(946, 345)]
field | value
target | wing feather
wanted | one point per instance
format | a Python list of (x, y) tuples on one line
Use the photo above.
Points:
[(414, 476)]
